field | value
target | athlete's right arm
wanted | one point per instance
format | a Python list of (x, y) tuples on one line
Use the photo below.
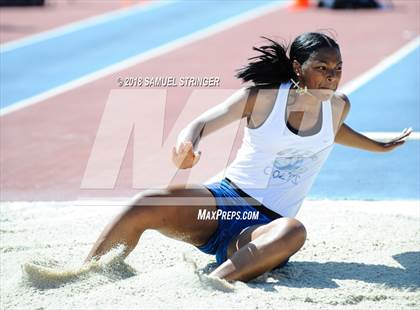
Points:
[(236, 107)]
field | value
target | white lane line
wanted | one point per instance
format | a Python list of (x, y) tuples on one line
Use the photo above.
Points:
[(386, 135), (380, 67), (75, 26), (158, 51)]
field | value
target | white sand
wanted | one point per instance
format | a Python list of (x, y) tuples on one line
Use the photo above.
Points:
[(358, 255)]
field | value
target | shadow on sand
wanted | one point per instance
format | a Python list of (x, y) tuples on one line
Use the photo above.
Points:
[(322, 275)]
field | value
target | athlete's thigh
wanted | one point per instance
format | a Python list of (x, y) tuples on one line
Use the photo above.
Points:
[(175, 212), (253, 232)]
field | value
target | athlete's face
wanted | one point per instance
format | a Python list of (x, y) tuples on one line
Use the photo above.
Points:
[(321, 72)]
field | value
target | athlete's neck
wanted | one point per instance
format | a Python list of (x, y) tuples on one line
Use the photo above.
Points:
[(306, 103)]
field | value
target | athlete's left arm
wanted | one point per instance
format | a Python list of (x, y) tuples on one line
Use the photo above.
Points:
[(349, 137)]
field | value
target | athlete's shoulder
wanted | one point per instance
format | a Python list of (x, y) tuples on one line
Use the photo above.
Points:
[(341, 98), (342, 103), (263, 94)]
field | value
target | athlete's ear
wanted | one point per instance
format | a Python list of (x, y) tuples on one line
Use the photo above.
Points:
[(297, 68)]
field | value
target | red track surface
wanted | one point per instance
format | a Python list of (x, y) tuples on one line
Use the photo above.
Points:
[(45, 148)]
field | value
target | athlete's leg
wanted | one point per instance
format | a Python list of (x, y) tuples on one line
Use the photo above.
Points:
[(260, 248), (172, 211)]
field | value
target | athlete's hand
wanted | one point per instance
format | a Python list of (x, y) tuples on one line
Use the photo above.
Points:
[(397, 141), (185, 158)]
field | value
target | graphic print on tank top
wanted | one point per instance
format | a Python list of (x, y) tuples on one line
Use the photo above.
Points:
[(290, 164)]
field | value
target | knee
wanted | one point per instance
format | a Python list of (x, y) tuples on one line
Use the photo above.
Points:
[(292, 228), (299, 230)]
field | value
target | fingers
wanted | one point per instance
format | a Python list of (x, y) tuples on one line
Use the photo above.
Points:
[(408, 132), (394, 144), (197, 156), (185, 154), (405, 133), (402, 138), (184, 147)]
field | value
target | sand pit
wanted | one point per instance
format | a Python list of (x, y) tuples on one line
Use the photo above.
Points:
[(359, 255)]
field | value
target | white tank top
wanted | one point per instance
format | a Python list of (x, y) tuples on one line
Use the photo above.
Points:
[(278, 167)]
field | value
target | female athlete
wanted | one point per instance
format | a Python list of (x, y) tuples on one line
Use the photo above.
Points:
[(294, 116)]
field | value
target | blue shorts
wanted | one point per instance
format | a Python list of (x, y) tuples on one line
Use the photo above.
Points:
[(231, 198)]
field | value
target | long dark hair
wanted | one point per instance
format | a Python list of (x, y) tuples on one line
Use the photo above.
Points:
[(273, 66)]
